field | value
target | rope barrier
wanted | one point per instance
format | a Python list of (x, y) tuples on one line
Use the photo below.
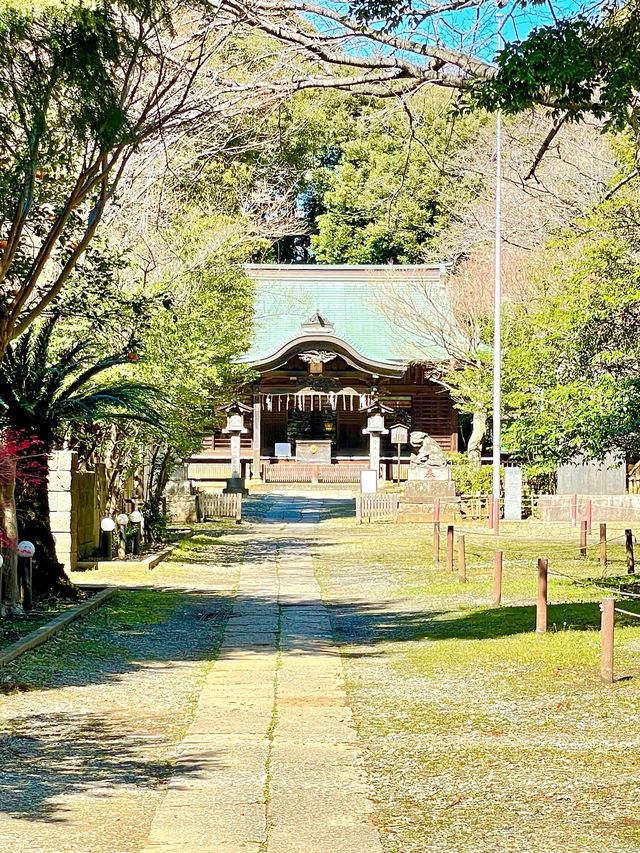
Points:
[(626, 612)]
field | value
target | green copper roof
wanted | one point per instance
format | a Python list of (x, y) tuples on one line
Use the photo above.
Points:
[(375, 309)]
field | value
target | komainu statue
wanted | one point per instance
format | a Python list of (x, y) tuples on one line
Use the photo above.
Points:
[(428, 452)]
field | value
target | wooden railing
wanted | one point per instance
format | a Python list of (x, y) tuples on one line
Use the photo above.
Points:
[(221, 506)]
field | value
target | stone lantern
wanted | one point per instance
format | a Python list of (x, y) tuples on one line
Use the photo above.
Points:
[(234, 429), (374, 429)]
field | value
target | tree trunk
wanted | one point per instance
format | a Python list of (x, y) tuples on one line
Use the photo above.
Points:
[(476, 440), (10, 603)]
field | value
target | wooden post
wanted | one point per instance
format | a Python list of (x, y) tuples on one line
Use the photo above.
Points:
[(628, 544), (574, 510), (436, 542), (436, 511), (603, 544), (583, 538), (496, 514), (490, 500), (462, 560), (588, 514), (497, 577), (450, 533), (607, 624), (541, 604)]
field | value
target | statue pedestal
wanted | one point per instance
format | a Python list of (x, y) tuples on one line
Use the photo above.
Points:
[(424, 484)]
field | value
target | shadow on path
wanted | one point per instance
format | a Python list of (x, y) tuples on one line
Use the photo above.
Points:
[(48, 756)]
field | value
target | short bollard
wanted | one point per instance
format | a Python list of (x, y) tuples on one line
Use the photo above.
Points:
[(122, 520), (450, 534), (462, 560), (628, 546), (26, 550), (107, 526), (583, 538), (497, 577), (136, 519), (607, 624), (436, 542), (589, 516), (541, 604), (603, 544)]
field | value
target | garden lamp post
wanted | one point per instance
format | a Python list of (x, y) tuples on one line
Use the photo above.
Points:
[(122, 520), (136, 519), (107, 526), (26, 550)]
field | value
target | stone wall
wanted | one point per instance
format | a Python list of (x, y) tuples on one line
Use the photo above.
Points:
[(77, 501), (183, 509), (592, 478)]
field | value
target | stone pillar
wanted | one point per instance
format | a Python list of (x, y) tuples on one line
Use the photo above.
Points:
[(257, 439), (63, 505), (236, 465), (374, 452)]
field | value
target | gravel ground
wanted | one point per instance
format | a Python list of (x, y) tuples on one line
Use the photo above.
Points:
[(89, 721)]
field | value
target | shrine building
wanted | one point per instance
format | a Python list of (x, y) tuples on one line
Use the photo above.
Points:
[(328, 342)]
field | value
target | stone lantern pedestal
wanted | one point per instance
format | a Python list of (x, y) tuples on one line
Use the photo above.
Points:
[(374, 429), (234, 429)]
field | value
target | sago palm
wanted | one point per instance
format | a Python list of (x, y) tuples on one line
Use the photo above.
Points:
[(40, 396)]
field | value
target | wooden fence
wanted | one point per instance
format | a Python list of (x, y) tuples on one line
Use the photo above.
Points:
[(221, 506), (376, 506)]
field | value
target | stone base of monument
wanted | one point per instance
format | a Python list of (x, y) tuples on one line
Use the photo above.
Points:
[(424, 485), (235, 485), (420, 491), (423, 512)]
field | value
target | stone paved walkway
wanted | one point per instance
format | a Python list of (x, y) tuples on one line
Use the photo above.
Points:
[(271, 762)]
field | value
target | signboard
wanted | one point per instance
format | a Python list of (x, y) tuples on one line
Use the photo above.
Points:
[(399, 434), (368, 482), (513, 493), (283, 449)]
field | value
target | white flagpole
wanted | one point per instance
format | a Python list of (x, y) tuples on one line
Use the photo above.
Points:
[(497, 299)]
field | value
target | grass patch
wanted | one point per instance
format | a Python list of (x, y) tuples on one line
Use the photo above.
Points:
[(135, 628), (43, 611), (480, 734)]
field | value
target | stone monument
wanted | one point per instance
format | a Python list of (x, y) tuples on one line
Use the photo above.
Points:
[(429, 473)]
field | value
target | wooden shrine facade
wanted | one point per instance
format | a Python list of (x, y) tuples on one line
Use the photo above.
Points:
[(313, 390)]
